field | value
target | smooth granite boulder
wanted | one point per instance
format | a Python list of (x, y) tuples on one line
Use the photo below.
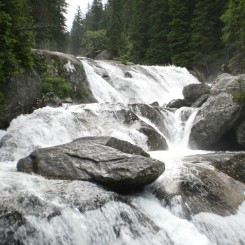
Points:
[(90, 160)]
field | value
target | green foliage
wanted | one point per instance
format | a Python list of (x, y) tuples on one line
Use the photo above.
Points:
[(115, 27), (240, 96), (58, 85), (16, 40), (158, 51), (95, 40), (139, 30), (234, 34), (77, 32), (206, 44), (94, 16), (83, 91), (180, 12), (50, 24)]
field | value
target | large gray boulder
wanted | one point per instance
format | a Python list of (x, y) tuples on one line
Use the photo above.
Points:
[(218, 115), (90, 160), (230, 163), (25, 88), (199, 187), (192, 92), (104, 55), (64, 66), (22, 91)]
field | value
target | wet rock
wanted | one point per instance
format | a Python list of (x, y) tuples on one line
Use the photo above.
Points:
[(199, 187), (178, 103), (118, 144), (10, 222), (153, 114), (200, 101), (155, 103), (26, 218), (50, 99), (104, 55), (232, 163), (93, 54), (86, 160), (218, 115), (155, 140), (106, 76), (192, 92), (67, 67), (22, 91), (128, 74), (240, 133)]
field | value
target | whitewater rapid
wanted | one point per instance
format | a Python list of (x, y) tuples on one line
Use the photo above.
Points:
[(114, 82), (147, 221)]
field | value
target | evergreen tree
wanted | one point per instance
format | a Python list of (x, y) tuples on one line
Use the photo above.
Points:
[(179, 36), (115, 28), (94, 16), (50, 23), (234, 33), (139, 30), (77, 32), (158, 51), (16, 39), (206, 44)]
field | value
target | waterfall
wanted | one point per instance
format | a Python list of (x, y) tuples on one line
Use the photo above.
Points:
[(113, 82), (77, 212)]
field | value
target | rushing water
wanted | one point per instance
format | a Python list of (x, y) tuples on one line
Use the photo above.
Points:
[(51, 208)]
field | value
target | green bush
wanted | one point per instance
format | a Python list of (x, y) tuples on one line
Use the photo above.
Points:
[(58, 85)]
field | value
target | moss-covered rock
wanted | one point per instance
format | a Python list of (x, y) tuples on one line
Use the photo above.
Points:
[(55, 72)]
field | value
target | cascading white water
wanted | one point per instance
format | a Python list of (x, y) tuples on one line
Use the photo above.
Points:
[(147, 221), (114, 82)]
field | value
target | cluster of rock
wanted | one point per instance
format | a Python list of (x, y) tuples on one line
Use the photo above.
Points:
[(194, 95), (219, 124)]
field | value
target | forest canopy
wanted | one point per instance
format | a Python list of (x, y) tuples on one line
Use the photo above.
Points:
[(190, 33)]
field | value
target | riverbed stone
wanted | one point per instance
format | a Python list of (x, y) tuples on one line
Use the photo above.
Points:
[(192, 92), (86, 160), (218, 115), (204, 183)]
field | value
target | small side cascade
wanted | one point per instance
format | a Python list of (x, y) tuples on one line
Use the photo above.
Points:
[(179, 125)]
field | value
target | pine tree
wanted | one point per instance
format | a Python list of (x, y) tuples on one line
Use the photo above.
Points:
[(94, 16), (158, 51), (139, 30), (206, 44), (50, 23), (115, 28), (234, 34), (179, 36), (77, 32), (16, 39)]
